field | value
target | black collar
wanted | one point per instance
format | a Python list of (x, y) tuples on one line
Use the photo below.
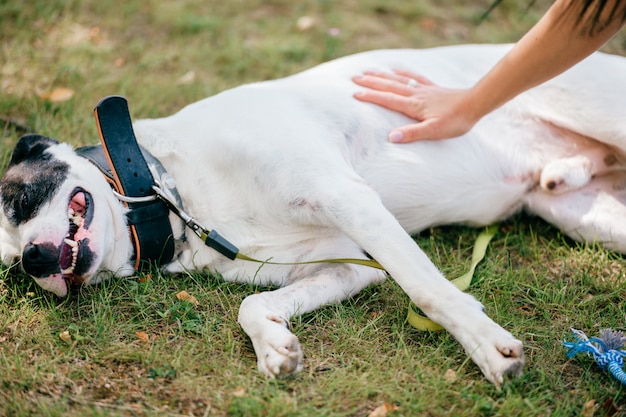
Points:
[(124, 165)]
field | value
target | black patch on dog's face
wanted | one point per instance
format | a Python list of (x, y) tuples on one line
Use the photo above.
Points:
[(31, 179), (85, 257), (29, 146)]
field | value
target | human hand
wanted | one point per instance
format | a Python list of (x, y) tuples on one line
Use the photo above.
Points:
[(441, 112)]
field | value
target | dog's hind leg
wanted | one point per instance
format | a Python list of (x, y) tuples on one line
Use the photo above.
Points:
[(593, 213), (567, 174), (265, 316)]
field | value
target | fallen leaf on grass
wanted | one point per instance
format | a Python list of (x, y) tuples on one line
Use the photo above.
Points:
[(305, 23), (611, 408), (382, 410), (65, 336), (188, 78), (145, 278), (185, 296), (57, 95), (450, 375), (589, 408), (239, 391), (428, 24), (72, 333), (143, 337)]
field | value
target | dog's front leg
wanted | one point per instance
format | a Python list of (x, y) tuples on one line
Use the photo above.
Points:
[(265, 316)]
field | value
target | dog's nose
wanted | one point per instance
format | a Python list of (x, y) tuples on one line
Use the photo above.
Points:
[(40, 260)]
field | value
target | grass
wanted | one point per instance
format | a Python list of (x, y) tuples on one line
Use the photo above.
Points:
[(131, 347)]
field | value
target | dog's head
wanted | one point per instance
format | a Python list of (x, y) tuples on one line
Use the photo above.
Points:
[(60, 217)]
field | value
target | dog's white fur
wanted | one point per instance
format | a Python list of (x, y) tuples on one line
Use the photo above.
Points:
[(296, 169)]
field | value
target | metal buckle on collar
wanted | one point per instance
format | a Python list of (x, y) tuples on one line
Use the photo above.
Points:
[(127, 199), (210, 237)]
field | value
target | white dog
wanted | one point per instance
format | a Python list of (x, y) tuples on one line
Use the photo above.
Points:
[(296, 169)]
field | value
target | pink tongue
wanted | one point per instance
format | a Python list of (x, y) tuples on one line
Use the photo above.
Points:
[(78, 203)]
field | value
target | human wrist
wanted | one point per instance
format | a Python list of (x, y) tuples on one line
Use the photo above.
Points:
[(471, 107)]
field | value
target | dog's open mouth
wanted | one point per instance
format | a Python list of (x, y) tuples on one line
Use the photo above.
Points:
[(79, 213)]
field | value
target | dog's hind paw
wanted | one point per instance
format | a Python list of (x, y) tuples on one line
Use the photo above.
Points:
[(563, 175), (279, 355)]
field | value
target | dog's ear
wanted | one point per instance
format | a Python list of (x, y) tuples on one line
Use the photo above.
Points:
[(29, 146)]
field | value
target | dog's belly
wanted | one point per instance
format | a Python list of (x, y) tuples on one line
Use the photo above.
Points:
[(487, 175)]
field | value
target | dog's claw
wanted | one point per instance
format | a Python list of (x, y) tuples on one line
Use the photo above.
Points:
[(278, 350), (510, 364), (281, 360)]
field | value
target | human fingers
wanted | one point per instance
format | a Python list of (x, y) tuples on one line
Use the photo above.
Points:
[(401, 76), (434, 128), (386, 83), (388, 75), (426, 130), (386, 99), (413, 76)]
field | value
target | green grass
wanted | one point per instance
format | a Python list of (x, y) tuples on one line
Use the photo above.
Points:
[(360, 354)]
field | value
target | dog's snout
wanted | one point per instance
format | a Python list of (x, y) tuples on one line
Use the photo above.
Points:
[(40, 260)]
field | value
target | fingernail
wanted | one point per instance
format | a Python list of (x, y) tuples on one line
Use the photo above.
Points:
[(359, 93), (395, 136), (357, 77)]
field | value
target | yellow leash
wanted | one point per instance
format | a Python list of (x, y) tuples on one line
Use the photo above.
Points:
[(365, 262), (421, 322), (213, 239), (414, 316)]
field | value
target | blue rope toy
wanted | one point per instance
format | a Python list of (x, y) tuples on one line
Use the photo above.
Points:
[(604, 349)]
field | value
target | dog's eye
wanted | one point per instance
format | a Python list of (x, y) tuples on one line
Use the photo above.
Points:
[(24, 201)]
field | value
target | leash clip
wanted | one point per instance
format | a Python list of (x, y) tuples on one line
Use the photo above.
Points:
[(210, 237)]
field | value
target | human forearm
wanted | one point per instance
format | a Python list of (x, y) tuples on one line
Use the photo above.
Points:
[(557, 42), (570, 31)]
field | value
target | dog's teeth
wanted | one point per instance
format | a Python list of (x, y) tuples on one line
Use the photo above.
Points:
[(71, 243), (74, 217), (69, 270)]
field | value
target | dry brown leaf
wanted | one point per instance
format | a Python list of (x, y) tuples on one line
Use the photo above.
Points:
[(450, 375), (187, 78), (143, 337), (145, 278), (185, 296), (375, 314), (305, 23), (239, 391), (589, 408), (58, 95), (65, 336), (428, 24), (382, 410)]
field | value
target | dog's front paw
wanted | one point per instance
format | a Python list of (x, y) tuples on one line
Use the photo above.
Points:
[(278, 353), (497, 353), (507, 360)]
